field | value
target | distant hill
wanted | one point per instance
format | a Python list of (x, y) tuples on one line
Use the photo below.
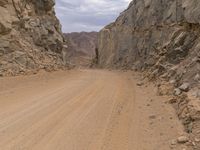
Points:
[(81, 47)]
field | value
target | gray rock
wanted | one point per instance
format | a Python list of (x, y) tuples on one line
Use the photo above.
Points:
[(4, 43), (4, 29), (172, 81), (196, 93), (197, 77), (182, 139), (177, 92), (173, 142), (185, 87), (21, 61)]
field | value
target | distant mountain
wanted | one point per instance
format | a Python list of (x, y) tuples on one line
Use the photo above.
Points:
[(81, 47)]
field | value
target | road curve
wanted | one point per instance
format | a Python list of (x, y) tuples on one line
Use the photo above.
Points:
[(84, 110)]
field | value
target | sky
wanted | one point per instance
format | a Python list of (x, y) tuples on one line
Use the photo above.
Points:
[(88, 15)]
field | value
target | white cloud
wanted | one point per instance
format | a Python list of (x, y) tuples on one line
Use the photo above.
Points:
[(88, 15)]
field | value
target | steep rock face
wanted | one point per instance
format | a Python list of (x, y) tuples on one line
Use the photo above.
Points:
[(161, 38), (81, 47), (30, 36), (159, 35)]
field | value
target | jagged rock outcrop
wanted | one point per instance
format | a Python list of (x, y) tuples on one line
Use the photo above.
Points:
[(159, 36), (154, 34), (30, 36), (162, 38), (81, 47)]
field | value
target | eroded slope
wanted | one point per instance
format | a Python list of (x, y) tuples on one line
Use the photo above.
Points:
[(30, 36)]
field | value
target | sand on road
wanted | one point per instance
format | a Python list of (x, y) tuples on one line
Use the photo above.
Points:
[(84, 110)]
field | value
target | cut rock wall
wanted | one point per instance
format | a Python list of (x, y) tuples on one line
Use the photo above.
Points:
[(162, 39), (159, 35)]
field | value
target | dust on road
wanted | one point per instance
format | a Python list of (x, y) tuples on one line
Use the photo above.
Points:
[(84, 110)]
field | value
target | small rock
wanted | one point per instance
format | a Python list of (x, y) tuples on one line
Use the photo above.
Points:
[(177, 92), (172, 100), (196, 94), (182, 139), (140, 83), (173, 142), (197, 77), (152, 117), (185, 87), (190, 127), (193, 143), (197, 140), (172, 81)]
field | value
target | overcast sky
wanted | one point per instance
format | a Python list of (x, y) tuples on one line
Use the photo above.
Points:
[(88, 15)]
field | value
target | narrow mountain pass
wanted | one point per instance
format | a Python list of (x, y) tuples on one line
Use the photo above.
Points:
[(84, 110)]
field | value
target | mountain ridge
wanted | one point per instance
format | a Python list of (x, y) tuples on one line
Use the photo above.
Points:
[(81, 47)]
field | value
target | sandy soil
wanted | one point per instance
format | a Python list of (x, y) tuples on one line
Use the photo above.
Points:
[(84, 110)]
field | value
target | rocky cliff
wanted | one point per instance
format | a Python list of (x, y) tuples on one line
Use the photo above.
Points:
[(162, 38), (30, 36), (160, 35), (81, 47)]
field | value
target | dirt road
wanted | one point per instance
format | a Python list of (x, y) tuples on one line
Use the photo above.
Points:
[(84, 110)]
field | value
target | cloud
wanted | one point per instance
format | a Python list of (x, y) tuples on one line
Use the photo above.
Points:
[(88, 15)]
